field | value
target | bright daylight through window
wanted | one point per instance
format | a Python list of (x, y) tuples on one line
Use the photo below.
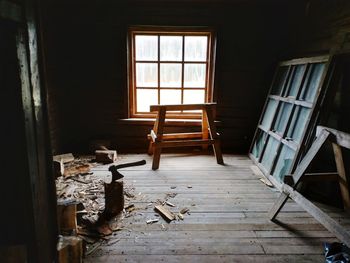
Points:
[(169, 67)]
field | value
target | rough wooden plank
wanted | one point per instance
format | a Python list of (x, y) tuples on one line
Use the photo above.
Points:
[(318, 214)]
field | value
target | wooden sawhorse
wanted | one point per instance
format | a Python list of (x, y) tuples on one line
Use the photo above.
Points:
[(338, 139), (208, 135)]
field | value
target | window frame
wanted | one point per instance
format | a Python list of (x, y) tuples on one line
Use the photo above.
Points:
[(170, 31), (268, 133)]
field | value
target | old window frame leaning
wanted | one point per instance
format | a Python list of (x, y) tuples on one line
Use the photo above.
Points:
[(286, 100), (170, 31)]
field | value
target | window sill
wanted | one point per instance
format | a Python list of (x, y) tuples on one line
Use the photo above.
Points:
[(168, 122)]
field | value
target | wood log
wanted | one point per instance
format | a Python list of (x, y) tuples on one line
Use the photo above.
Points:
[(114, 199), (66, 218), (70, 249), (106, 156)]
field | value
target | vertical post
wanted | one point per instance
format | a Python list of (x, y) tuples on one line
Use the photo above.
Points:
[(205, 126), (157, 145), (213, 134), (343, 184)]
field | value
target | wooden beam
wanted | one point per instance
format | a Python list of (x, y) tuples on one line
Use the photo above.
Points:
[(184, 143), (339, 137), (172, 136), (173, 107)]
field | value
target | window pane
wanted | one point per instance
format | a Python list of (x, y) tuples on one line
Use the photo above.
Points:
[(145, 98), (282, 117), (146, 48), (170, 75), (298, 123), (270, 153), (194, 75), (193, 96), (296, 80), (310, 90), (196, 48), (170, 96), (259, 144), (171, 48), (269, 113), (284, 163), (281, 76), (146, 75)]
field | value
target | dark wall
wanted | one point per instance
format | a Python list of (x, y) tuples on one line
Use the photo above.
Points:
[(86, 64)]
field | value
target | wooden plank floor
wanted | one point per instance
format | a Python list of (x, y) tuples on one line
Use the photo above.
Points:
[(228, 216)]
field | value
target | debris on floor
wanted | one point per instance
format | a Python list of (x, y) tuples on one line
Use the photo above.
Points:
[(89, 207), (163, 211), (151, 221)]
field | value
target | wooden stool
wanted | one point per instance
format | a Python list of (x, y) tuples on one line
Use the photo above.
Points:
[(208, 136)]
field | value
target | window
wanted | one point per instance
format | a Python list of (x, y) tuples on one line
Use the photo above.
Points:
[(286, 117), (169, 66)]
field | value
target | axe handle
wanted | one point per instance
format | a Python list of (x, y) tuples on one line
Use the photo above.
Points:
[(124, 165)]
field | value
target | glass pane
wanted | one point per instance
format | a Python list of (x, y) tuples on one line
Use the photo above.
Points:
[(310, 90), (259, 144), (270, 153), (171, 48), (284, 163), (298, 123), (282, 117), (194, 96), (279, 80), (146, 75), (296, 80), (170, 75), (269, 113), (170, 96), (145, 98), (194, 75), (146, 48), (196, 48)]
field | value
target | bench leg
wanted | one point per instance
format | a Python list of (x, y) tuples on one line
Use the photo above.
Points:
[(156, 157), (150, 148), (217, 152)]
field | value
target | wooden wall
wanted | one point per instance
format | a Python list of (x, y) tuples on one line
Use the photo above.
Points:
[(85, 44)]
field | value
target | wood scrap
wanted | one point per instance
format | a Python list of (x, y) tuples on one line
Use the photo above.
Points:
[(180, 216), (163, 211), (169, 204), (65, 158), (151, 221), (106, 156), (266, 181), (184, 210), (77, 169)]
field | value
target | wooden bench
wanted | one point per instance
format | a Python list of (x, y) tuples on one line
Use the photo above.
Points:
[(208, 135)]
